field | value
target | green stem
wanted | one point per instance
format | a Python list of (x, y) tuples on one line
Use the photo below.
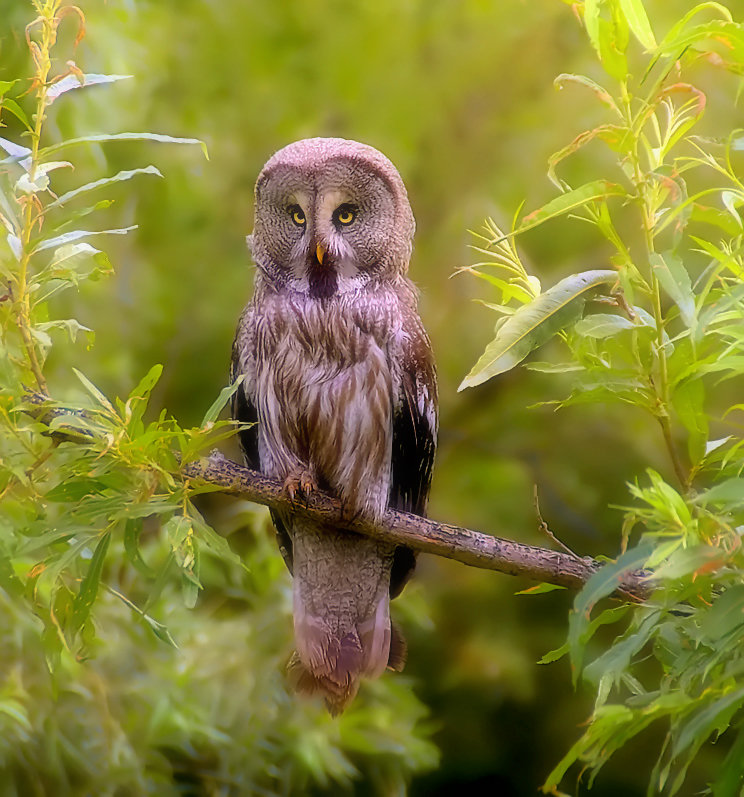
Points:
[(42, 61), (660, 386)]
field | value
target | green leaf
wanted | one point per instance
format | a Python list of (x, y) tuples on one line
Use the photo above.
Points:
[(225, 395), (688, 400), (675, 281), (94, 391), (539, 589), (591, 22), (728, 494), (603, 583), (117, 178), (215, 542), (88, 591), (18, 154), (698, 727), (603, 95), (76, 235), (535, 323), (74, 262), (132, 531), (16, 110), (568, 202), (69, 325), (603, 325), (99, 139), (639, 24), (78, 81)]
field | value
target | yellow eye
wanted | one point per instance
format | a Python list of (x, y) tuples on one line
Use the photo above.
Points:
[(345, 214), (297, 214)]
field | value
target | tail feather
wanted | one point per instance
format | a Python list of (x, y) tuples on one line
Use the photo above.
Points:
[(341, 614)]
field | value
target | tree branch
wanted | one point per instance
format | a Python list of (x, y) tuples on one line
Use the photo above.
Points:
[(422, 534)]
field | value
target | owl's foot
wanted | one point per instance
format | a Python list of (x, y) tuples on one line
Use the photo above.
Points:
[(299, 484)]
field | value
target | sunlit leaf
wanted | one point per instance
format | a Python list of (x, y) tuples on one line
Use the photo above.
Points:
[(79, 81), (76, 235), (636, 16), (100, 139), (674, 279), (118, 177), (535, 323), (225, 395), (603, 325)]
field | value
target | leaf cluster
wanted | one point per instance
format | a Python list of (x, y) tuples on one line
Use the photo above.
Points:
[(104, 549), (663, 338)]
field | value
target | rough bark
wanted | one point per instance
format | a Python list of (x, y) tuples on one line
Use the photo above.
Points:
[(423, 534)]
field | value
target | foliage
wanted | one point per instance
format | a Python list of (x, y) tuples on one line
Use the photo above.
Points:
[(668, 343), (97, 522)]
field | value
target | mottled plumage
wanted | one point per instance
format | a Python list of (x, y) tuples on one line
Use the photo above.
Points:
[(340, 380)]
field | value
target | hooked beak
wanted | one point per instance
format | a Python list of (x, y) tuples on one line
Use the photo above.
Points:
[(320, 253)]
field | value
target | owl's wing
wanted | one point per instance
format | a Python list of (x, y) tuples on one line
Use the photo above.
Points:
[(415, 421), (244, 409)]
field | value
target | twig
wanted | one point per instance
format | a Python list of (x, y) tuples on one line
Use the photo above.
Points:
[(545, 529)]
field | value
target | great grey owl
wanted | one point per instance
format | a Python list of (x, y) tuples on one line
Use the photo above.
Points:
[(340, 383)]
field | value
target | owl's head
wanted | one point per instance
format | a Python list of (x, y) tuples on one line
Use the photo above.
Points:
[(331, 215)]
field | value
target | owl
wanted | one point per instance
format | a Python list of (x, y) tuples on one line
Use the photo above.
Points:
[(340, 386)]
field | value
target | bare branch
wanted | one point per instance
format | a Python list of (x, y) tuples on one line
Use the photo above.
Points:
[(452, 542), (422, 534)]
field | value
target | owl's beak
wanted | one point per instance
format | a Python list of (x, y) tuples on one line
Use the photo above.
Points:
[(320, 253)]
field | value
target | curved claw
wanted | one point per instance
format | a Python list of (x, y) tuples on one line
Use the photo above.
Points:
[(300, 483)]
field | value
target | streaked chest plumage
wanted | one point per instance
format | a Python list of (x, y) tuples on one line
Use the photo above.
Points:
[(324, 390)]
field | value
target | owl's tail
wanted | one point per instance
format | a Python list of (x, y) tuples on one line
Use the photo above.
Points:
[(338, 686), (342, 621)]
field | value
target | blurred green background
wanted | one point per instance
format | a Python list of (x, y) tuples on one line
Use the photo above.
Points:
[(460, 96)]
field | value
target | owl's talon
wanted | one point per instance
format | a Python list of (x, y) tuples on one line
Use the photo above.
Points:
[(298, 485)]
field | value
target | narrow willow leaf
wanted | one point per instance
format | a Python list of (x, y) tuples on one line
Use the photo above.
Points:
[(160, 631), (539, 589), (147, 383), (216, 543), (698, 727), (69, 325), (570, 201), (94, 391), (535, 323), (675, 281), (603, 325), (99, 139), (132, 531), (728, 494), (731, 200), (12, 106), (603, 95), (225, 395), (18, 154), (88, 591), (16, 245), (72, 82), (639, 24), (591, 22), (600, 585), (40, 181), (688, 400), (76, 235), (74, 262), (119, 177)]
